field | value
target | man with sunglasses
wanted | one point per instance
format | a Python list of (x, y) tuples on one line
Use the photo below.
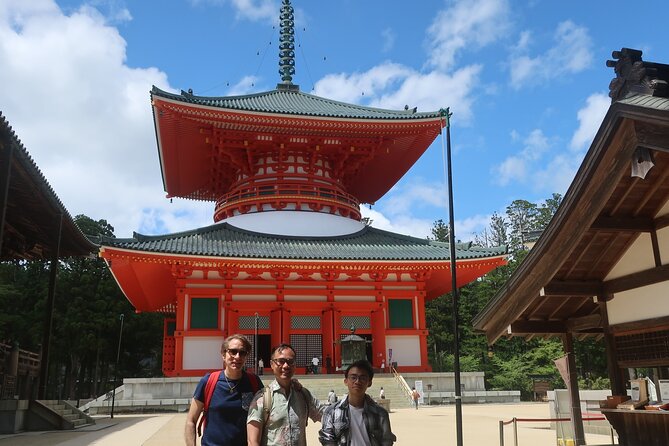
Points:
[(228, 405), (356, 420), (284, 421)]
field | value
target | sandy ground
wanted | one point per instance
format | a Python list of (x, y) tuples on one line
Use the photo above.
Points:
[(427, 425)]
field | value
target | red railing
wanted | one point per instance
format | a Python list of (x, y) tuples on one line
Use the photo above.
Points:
[(258, 194)]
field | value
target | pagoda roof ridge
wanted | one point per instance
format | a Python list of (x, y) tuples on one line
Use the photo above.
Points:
[(296, 102), (225, 240)]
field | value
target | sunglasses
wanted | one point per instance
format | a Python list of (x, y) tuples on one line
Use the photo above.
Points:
[(236, 351), (284, 361)]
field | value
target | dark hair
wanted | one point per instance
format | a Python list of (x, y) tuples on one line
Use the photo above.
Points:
[(281, 347), (240, 337), (361, 364)]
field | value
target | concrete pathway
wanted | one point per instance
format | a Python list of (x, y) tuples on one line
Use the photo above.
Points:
[(427, 425)]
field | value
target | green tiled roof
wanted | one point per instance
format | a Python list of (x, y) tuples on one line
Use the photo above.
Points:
[(294, 102), (224, 240)]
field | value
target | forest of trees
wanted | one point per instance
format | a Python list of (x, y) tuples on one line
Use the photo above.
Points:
[(86, 323), (89, 302), (511, 363)]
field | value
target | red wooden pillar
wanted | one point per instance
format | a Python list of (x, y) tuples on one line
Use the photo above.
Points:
[(336, 357), (327, 328), (423, 332), (181, 326), (275, 323), (378, 321), (285, 326)]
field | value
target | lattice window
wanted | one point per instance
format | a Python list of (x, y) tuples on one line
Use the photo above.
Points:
[(306, 347), (249, 322), (643, 349), (305, 323), (363, 322)]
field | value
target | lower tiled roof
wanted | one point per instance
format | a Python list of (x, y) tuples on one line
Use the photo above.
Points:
[(224, 240)]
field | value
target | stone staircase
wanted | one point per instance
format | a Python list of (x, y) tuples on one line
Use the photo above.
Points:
[(320, 385), (69, 416)]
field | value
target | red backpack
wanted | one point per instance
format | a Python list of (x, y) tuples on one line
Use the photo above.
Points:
[(209, 392)]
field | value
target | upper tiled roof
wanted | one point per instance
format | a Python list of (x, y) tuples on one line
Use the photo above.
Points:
[(224, 240), (294, 102)]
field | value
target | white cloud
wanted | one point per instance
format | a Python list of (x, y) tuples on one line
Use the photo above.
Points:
[(465, 24), (388, 39), (393, 86), (256, 9), (253, 10), (517, 167), (245, 86), (571, 53), (85, 116), (590, 117)]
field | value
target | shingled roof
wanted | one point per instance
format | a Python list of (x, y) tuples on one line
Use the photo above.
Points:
[(295, 102), (33, 208), (225, 240)]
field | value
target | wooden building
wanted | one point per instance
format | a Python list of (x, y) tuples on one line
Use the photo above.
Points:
[(601, 267), (289, 258)]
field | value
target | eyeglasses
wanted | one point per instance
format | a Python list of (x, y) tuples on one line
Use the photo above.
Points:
[(236, 351), (284, 361), (356, 378)]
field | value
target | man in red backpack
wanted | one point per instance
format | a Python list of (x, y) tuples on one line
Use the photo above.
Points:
[(221, 399)]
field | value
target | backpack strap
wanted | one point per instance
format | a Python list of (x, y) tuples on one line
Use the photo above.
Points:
[(254, 380), (208, 393)]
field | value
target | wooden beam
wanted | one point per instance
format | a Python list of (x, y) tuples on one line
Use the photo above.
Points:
[(652, 136), (573, 288), (637, 280), (662, 222), (579, 324), (623, 224), (550, 327)]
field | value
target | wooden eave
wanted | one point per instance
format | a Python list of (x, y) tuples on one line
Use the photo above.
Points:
[(192, 137), (34, 212), (602, 214)]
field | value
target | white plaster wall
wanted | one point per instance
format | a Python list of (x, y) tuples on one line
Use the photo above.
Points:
[(406, 349), (642, 303), (638, 257), (202, 352), (296, 223)]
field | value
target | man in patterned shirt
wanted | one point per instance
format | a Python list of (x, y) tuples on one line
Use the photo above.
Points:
[(284, 422)]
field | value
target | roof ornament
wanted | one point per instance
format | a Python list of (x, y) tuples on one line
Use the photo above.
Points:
[(287, 47), (633, 75)]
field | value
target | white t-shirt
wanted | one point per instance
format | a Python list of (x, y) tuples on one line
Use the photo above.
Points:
[(315, 361), (359, 436)]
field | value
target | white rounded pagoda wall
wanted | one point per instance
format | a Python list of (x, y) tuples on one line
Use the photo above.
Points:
[(297, 223)]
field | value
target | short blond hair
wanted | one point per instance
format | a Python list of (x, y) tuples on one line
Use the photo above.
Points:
[(240, 337)]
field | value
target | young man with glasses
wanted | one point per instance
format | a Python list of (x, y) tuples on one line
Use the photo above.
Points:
[(356, 420), (284, 421), (228, 402)]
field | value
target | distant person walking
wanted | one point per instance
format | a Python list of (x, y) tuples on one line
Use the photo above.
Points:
[(415, 396), (314, 362), (261, 365), (332, 397), (382, 394)]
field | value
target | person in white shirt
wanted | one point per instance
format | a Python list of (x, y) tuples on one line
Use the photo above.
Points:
[(315, 361), (382, 394)]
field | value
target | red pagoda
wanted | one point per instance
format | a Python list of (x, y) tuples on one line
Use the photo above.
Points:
[(288, 258)]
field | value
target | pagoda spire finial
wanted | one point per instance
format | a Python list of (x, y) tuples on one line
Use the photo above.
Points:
[(287, 44)]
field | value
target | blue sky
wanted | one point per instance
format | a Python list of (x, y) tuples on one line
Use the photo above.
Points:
[(526, 81)]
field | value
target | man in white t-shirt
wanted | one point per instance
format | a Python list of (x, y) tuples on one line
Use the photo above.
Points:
[(315, 361), (356, 420)]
